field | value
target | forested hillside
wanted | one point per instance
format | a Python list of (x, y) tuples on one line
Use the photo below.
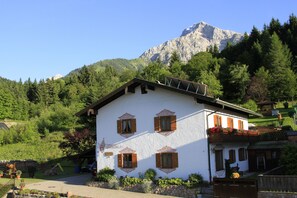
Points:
[(261, 67)]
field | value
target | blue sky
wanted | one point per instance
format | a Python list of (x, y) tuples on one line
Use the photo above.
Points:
[(42, 38)]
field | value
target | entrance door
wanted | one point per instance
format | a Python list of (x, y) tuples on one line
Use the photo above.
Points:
[(219, 160), (261, 162)]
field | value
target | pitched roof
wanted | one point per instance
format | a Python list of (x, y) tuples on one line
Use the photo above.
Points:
[(130, 86)]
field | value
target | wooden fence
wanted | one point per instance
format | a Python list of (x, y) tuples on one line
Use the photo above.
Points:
[(284, 183), (241, 188)]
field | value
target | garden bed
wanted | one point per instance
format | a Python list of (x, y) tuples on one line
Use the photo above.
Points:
[(171, 190)]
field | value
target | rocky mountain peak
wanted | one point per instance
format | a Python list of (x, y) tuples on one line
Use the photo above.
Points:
[(194, 27), (196, 38)]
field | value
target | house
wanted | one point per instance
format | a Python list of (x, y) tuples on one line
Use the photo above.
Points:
[(144, 125)]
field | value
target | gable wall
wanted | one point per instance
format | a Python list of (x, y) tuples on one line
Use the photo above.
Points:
[(189, 139)]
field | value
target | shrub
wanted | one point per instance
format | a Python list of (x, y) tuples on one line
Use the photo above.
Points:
[(130, 181), (251, 105), (288, 159), (146, 185), (150, 174), (114, 183), (291, 113), (163, 183), (289, 122), (4, 189), (105, 174), (195, 179)]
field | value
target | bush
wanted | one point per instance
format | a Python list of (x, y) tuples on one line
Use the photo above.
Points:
[(105, 175), (130, 181), (291, 113), (146, 185), (163, 183), (4, 189), (150, 174), (195, 179), (289, 122), (288, 159), (251, 105), (114, 183)]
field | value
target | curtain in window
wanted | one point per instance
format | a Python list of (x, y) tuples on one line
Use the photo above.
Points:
[(126, 124)]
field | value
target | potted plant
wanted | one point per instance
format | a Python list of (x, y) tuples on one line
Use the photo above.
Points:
[(22, 184), (18, 174), (1, 173)]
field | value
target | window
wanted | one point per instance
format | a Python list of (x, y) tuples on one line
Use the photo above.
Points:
[(165, 123), (240, 125), (232, 156), (219, 160), (167, 160), (126, 126), (127, 160), (230, 123), (217, 121), (242, 154)]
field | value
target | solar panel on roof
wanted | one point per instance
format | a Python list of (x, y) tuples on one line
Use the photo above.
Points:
[(185, 85)]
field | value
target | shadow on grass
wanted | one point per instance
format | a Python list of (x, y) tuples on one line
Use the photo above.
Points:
[(66, 175)]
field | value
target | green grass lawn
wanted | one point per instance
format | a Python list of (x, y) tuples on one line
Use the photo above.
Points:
[(272, 120)]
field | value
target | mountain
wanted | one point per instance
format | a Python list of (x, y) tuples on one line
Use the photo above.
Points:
[(193, 39), (119, 64)]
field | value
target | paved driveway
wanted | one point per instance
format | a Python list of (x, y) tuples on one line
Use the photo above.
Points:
[(76, 186)]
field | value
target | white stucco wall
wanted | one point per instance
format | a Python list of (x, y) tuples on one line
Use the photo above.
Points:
[(243, 165), (189, 139), (210, 112)]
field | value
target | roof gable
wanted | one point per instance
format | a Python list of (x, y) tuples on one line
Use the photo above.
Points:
[(200, 97)]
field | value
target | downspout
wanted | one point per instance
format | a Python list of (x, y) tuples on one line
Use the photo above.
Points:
[(208, 145)]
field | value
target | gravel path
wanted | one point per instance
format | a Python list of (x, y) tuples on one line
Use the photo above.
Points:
[(76, 185)]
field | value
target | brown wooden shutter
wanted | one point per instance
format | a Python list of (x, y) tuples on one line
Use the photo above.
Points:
[(119, 126), (173, 123), (133, 125), (134, 160), (158, 160), (232, 157), (230, 122), (174, 160), (120, 160), (240, 124), (157, 123), (220, 120), (215, 119)]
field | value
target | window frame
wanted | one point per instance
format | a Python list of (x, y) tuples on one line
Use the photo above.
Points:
[(240, 125), (217, 120), (242, 154), (219, 160), (121, 126), (122, 162), (125, 122), (232, 156), (160, 158), (127, 163), (165, 123), (230, 123), (170, 126)]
